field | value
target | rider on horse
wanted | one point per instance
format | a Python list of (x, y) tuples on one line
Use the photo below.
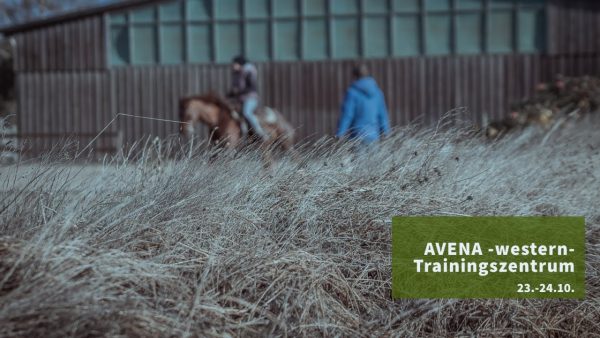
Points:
[(244, 89)]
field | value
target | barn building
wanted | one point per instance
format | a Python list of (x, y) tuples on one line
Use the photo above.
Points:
[(75, 71)]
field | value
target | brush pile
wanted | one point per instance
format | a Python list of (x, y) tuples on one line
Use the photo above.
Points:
[(565, 97)]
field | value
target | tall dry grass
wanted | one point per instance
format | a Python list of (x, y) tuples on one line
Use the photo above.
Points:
[(220, 247)]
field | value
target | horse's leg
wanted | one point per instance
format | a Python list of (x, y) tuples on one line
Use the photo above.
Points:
[(268, 146), (284, 133), (287, 143), (267, 156), (233, 139), (188, 132), (294, 153), (285, 136)]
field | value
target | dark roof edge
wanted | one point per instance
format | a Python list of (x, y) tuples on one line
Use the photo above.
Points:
[(74, 15)]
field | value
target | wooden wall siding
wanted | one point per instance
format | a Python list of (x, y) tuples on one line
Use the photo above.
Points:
[(574, 26), (72, 45), (58, 106), (79, 104), (309, 94), (66, 87)]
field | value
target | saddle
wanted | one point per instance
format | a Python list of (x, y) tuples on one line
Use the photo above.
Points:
[(263, 113)]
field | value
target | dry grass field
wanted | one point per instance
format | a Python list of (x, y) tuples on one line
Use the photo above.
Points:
[(201, 248)]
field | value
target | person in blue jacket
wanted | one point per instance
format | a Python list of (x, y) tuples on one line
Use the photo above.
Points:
[(364, 113)]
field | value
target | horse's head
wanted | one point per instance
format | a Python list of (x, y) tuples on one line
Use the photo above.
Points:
[(186, 126), (197, 109)]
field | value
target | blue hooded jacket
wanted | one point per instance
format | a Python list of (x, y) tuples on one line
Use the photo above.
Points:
[(364, 114)]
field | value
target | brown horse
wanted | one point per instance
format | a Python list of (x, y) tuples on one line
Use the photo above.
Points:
[(225, 124)]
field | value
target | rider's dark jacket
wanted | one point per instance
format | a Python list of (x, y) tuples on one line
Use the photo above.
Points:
[(244, 83)]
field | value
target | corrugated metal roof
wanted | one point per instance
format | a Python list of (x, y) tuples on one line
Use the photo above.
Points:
[(74, 14)]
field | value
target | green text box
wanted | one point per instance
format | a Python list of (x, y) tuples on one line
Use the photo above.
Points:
[(552, 268)]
